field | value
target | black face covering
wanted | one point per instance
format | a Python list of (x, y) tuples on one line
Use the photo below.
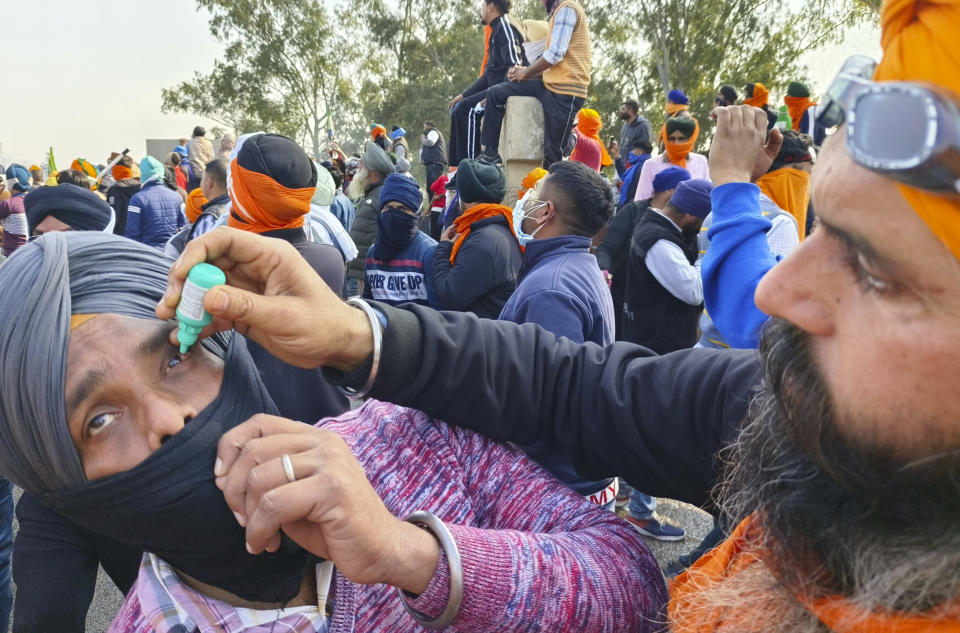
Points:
[(170, 506), (395, 231)]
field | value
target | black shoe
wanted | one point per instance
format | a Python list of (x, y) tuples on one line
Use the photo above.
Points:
[(490, 158)]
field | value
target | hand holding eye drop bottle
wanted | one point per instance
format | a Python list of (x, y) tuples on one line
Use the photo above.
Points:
[(190, 313)]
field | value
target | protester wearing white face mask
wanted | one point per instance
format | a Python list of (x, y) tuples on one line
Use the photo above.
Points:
[(560, 287)]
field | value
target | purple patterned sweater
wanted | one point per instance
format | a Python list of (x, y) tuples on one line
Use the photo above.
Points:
[(536, 556)]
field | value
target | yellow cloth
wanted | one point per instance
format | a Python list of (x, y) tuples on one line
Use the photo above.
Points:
[(79, 319), (673, 109), (81, 165), (51, 181), (760, 96), (789, 189), (590, 124), (920, 44)]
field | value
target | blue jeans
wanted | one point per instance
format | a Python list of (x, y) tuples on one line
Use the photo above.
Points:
[(6, 548), (642, 505)]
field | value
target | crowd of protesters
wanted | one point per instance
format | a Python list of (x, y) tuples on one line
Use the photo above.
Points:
[(658, 315)]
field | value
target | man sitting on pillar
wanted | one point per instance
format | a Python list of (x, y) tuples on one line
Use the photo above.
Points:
[(559, 80), (505, 51)]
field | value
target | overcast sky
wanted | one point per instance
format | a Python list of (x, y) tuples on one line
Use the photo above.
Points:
[(86, 78)]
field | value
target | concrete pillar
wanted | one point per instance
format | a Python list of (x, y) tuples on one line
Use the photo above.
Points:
[(521, 142)]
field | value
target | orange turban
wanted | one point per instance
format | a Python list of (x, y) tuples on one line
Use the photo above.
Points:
[(760, 98), (121, 171), (195, 202), (81, 165), (798, 106), (261, 203), (918, 45), (530, 180), (590, 124), (377, 130)]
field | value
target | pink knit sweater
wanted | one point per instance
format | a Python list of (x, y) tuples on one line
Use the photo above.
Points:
[(536, 556)]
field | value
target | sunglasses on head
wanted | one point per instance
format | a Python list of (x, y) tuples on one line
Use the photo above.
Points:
[(906, 131)]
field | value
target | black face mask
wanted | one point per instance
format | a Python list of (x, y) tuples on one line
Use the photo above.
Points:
[(395, 231), (169, 505)]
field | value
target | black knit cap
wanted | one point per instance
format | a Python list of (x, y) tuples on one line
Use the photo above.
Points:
[(78, 208), (479, 182)]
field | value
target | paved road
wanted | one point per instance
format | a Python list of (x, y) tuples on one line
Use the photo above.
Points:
[(107, 599)]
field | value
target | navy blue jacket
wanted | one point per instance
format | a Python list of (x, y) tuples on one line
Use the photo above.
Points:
[(404, 277), (560, 288), (506, 51), (485, 273), (154, 214)]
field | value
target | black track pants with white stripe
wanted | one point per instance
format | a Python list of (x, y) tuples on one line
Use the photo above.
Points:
[(464, 140)]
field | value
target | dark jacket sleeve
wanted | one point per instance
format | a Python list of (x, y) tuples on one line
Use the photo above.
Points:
[(457, 287), (657, 421), (614, 247)]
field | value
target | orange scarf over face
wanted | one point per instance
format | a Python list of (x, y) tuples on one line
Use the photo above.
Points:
[(673, 109), (677, 152), (265, 204), (920, 44), (120, 172), (739, 552), (589, 122), (195, 202), (797, 107), (487, 34), (760, 96), (475, 214), (789, 189)]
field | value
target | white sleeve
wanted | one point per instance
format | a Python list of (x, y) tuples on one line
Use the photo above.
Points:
[(667, 263), (782, 236), (431, 138)]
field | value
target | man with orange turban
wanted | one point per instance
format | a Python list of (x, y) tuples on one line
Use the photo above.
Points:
[(271, 181), (124, 187), (589, 149), (757, 95), (802, 111), (36, 174), (840, 437), (680, 137)]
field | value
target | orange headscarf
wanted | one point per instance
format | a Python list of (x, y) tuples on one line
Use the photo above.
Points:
[(81, 165), (590, 124), (487, 34), (919, 44), (677, 152), (760, 96), (121, 171), (261, 203), (789, 189), (530, 180), (797, 106), (195, 202), (475, 214), (377, 130), (673, 109), (741, 551)]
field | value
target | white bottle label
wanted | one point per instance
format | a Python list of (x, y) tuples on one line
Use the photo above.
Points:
[(191, 301)]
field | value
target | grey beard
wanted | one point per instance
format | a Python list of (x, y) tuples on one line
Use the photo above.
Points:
[(358, 186), (840, 515)]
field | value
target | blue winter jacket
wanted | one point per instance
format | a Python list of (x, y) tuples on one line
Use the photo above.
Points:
[(561, 289), (155, 213)]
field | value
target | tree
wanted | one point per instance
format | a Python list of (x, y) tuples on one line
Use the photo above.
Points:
[(698, 45), (282, 70)]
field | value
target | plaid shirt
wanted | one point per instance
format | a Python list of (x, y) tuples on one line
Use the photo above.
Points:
[(563, 26), (170, 606)]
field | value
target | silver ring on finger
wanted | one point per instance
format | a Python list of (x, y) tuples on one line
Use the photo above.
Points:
[(288, 468)]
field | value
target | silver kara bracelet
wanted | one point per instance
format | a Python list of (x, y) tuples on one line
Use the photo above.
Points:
[(440, 532), (377, 328)]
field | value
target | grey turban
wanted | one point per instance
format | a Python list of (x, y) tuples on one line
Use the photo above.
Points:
[(43, 284)]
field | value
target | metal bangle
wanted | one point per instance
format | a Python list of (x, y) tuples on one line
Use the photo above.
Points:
[(377, 328), (440, 532)]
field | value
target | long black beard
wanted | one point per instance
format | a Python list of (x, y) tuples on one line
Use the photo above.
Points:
[(840, 515)]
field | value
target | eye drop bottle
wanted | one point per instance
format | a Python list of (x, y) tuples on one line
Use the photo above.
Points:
[(190, 312)]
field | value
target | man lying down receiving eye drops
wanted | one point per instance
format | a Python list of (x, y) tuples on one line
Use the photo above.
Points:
[(131, 447)]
